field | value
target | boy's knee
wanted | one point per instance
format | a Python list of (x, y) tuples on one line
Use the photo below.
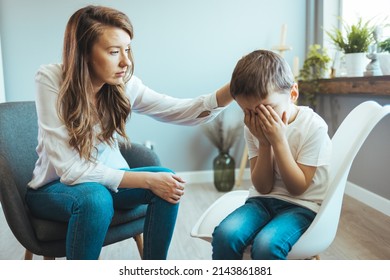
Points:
[(224, 234), (269, 249)]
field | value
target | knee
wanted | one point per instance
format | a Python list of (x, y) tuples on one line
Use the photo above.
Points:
[(163, 205), (162, 169), (152, 169), (227, 243), (224, 236), (221, 234), (264, 248)]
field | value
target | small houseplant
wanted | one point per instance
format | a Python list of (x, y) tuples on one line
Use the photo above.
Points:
[(384, 56), (384, 46), (354, 44), (358, 37), (314, 68), (223, 138)]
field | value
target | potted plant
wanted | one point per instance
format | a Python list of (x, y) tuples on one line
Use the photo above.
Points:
[(354, 44), (384, 56), (223, 138), (384, 46), (315, 67)]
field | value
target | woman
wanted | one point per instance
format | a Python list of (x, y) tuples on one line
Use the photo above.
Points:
[(82, 106)]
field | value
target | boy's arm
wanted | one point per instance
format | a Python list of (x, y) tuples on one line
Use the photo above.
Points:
[(262, 173), (297, 177)]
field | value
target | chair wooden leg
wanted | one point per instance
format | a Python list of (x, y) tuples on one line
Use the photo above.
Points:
[(140, 244), (244, 159), (48, 258), (28, 255), (316, 257)]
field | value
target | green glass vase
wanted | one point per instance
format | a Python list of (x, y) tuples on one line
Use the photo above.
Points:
[(224, 167)]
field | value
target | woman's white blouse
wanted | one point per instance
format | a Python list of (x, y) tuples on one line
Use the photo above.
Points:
[(57, 160)]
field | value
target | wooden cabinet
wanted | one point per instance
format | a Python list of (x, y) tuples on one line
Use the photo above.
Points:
[(375, 85)]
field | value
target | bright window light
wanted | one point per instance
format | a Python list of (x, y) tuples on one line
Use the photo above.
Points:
[(377, 11)]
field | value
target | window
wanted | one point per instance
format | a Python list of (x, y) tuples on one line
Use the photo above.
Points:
[(377, 11)]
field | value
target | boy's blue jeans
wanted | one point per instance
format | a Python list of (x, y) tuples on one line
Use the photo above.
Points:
[(272, 226), (89, 208)]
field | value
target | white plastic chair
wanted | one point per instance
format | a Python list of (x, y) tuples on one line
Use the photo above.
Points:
[(346, 142)]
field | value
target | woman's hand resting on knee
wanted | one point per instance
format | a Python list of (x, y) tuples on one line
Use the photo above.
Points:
[(168, 186)]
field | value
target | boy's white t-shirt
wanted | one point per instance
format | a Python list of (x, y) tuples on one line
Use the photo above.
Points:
[(310, 145)]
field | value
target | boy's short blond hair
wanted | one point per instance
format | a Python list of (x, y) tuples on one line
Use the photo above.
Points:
[(260, 73)]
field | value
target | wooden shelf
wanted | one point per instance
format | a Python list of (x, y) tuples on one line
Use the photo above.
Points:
[(375, 85)]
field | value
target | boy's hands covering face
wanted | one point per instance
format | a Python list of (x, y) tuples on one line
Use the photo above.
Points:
[(265, 124), (253, 122)]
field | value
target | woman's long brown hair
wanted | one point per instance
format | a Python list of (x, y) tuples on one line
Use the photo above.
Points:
[(75, 104)]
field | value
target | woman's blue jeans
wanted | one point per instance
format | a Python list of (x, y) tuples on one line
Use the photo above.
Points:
[(89, 207), (272, 226)]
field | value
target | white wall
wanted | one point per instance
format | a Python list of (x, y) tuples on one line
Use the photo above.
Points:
[(183, 48)]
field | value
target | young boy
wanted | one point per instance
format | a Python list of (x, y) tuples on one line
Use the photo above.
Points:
[(289, 152)]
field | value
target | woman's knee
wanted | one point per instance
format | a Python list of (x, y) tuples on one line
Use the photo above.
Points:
[(151, 169)]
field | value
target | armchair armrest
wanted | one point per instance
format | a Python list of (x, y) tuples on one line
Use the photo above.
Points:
[(138, 155)]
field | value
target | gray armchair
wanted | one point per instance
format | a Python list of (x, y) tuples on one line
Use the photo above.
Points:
[(18, 140)]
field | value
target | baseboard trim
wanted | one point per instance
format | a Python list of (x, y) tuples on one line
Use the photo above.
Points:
[(371, 199)]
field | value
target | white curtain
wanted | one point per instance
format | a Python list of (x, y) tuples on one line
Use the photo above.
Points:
[(2, 91)]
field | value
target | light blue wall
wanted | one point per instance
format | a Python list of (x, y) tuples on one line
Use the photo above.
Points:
[(370, 168), (183, 48)]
